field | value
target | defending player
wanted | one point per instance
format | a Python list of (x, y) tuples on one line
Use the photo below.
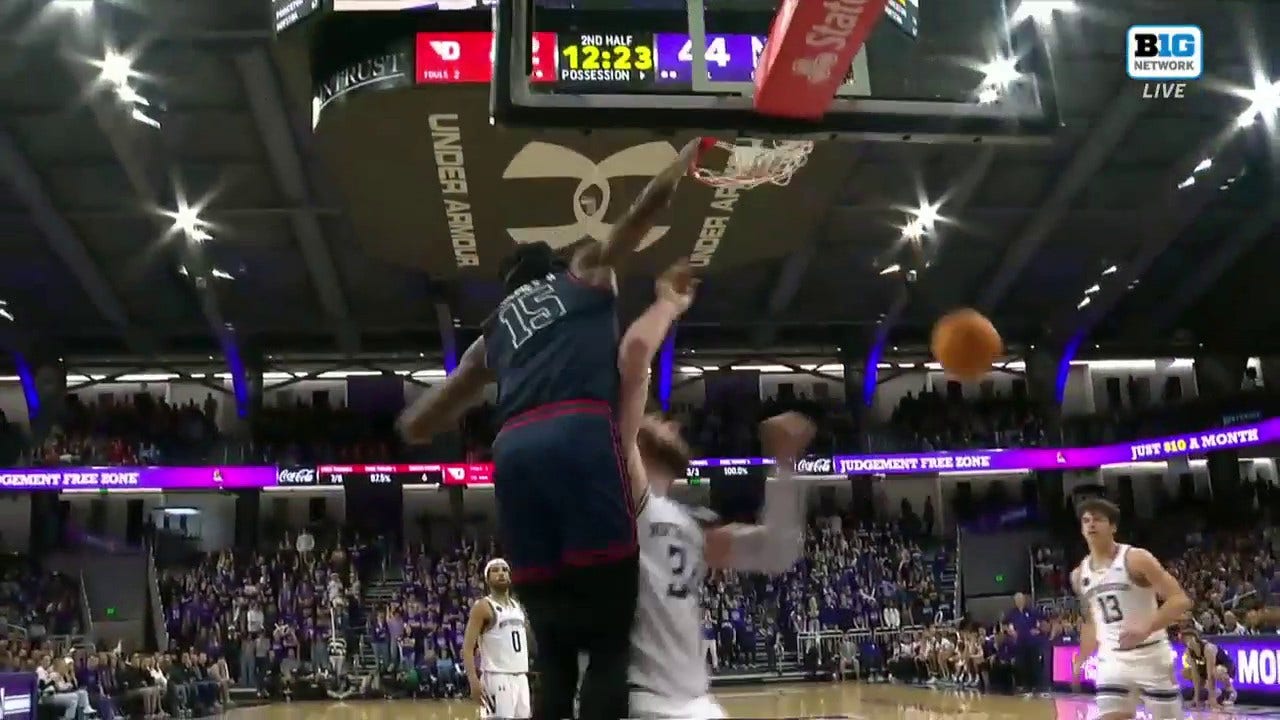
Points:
[(1126, 624), (668, 664), (1207, 666), (564, 506), (500, 680)]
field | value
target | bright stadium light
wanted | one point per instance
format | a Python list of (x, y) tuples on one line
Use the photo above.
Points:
[(1093, 289), (1084, 303), (78, 7), (1041, 11), (1264, 101), (891, 269), (115, 68), (1000, 72)]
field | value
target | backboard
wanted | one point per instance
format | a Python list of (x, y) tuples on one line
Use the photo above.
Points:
[(924, 74)]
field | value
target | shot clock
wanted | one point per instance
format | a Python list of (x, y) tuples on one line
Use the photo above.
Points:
[(606, 59)]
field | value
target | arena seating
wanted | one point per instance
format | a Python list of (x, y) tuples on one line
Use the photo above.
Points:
[(144, 430)]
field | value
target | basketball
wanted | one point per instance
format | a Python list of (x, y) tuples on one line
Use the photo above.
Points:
[(966, 343)]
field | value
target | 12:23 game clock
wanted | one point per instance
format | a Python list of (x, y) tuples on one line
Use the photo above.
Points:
[(606, 59)]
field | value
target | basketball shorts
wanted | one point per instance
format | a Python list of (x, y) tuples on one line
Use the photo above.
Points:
[(562, 490), (506, 695), (1146, 673), (645, 705)]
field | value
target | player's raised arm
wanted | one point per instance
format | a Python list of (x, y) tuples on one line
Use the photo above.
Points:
[(1144, 568), (439, 407), (674, 292), (596, 261), (477, 622), (778, 541)]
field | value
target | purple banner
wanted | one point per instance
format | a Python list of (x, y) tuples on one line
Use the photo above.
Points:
[(143, 478), (730, 58), (1150, 449), (1256, 660), (17, 695)]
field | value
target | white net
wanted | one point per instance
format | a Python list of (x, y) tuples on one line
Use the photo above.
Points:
[(762, 162)]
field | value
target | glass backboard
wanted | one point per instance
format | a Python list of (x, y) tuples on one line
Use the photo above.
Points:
[(926, 72)]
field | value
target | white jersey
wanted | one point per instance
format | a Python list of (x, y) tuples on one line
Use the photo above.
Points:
[(1113, 597), (668, 658), (504, 647)]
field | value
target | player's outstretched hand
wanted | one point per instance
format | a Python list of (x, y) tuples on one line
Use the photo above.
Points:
[(786, 436), (678, 286)]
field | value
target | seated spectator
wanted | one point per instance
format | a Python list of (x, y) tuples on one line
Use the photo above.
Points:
[(56, 687)]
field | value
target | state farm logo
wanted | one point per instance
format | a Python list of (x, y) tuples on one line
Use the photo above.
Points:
[(830, 35), (814, 466), (449, 50), (296, 476)]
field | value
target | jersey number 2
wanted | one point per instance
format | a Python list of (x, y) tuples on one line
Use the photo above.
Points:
[(529, 313), (679, 586), (1110, 606)]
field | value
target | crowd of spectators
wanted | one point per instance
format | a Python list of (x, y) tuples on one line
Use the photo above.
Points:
[(143, 428), (41, 602), (274, 617)]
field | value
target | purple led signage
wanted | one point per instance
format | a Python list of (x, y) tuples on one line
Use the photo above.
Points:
[(1256, 659), (140, 478), (244, 477), (1150, 449)]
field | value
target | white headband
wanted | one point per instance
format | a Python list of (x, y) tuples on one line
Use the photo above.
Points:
[(494, 563)]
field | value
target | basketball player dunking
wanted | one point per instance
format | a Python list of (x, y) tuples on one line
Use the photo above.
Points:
[(565, 510), (500, 680), (1126, 624), (668, 673)]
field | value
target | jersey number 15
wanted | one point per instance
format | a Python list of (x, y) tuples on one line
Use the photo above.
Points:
[(529, 313)]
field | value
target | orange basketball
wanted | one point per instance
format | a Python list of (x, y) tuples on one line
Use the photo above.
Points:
[(966, 343)]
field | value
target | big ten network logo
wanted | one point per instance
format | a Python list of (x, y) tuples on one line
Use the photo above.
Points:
[(1165, 57)]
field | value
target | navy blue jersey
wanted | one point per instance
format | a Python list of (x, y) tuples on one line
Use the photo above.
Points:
[(552, 340)]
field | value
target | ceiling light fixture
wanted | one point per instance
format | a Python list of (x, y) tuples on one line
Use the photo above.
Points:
[(1186, 183), (1000, 72), (79, 7), (1041, 11), (1085, 301), (891, 269), (1264, 101), (1110, 270), (1205, 164), (1092, 289), (5, 312)]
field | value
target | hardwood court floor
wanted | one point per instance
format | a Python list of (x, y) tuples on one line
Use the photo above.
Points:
[(812, 700)]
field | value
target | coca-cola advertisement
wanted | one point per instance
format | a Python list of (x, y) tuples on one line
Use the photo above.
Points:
[(814, 466), (293, 476)]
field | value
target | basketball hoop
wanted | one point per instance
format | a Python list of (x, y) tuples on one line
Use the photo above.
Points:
[(761, 163)]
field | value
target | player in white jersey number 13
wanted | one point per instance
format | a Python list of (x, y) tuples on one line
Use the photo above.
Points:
[(668, 672), (496, 628), (1128, 601)]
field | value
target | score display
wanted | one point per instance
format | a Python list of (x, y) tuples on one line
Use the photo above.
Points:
[(637, 61), (399, 474), (905, 14), (287, 13), (599, 59)]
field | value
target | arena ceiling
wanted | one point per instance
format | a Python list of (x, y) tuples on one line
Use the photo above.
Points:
[(1101, 212)]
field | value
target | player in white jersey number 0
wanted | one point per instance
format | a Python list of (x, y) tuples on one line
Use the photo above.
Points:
[(668, 672), (1128, 601), (496, 628)]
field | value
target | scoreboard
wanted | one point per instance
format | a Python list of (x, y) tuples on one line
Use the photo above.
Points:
[(657, 62)]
